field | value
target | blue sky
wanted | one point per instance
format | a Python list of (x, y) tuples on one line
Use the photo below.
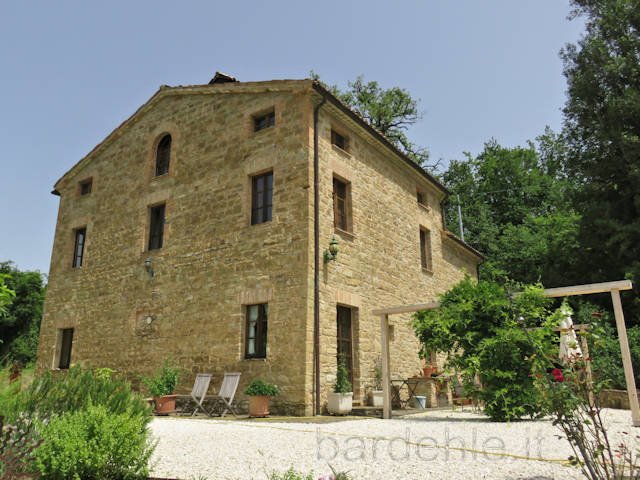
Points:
[(72, 71)]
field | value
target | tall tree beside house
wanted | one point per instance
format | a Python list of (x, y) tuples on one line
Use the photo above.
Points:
[(391, 111), (516, 211), (20, 325), (602, 130)]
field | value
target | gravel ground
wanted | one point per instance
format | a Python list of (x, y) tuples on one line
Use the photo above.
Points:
[(408, 448)]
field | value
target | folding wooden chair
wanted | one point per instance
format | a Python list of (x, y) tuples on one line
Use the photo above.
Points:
[(228, 392), (199, 393)]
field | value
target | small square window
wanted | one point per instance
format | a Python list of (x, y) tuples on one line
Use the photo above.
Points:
[(340, 141), (85, 186), (266, 120), (421, 197)]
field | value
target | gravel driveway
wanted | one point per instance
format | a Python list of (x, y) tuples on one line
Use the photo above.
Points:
[(412, 447)]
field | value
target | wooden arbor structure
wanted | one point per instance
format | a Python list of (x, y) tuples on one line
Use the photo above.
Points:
[(613, 288)]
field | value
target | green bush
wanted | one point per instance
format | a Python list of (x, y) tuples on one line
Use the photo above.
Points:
[(508, 391), (258, 387), (94, 444), (164, 382), (483, 329), (55, 393)]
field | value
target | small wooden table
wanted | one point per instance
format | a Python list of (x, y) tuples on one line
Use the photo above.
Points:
[(412, 384)]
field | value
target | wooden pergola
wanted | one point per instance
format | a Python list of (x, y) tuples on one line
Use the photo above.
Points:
[(613, 288)]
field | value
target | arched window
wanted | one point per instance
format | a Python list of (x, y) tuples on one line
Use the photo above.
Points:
[(163, 155)]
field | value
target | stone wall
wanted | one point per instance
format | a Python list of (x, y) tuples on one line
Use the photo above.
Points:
[(213, 261), (379, 262)]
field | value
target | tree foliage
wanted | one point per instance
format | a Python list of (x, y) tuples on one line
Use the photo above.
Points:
[(20, 324), (391, 111), (602, 132), (516, 211)]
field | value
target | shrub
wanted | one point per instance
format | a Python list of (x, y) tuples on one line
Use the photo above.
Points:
[(258, 387), (343, 384), (16, 449), (76, 389), (480, 325), (164, 382), (508, 390), (95, 444)]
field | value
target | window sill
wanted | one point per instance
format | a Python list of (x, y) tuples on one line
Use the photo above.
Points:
[(342, 152), (427, 271), (344, 234), (427, 208), (255, 359)]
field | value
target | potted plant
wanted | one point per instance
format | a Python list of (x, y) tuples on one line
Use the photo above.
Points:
[(377, 395), (260, 394), (161, 387), (340, 402)]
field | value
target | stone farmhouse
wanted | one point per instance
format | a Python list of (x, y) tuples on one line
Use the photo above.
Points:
[(201, 229)]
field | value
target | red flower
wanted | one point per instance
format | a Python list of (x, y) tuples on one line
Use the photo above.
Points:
[(557, 375)]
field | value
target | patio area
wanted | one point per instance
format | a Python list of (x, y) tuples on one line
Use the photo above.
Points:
[(433, 444)]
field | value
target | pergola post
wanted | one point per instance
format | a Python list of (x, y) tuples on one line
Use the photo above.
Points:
[(626, 358), (386, 380)]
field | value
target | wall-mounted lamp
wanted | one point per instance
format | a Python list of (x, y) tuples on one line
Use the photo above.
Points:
[(148, 266), (332, 252)]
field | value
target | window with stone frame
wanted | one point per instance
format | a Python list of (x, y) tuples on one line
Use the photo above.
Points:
[(85, 186), (264, 120), (342, 205), (156, 226), (66, 342), (80, 237), (255, 345), (261, 198), (163, 156), (339, 140), (425, 250)]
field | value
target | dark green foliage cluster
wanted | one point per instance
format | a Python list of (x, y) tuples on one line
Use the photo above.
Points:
[(602, 136), (20, 322), (95, 444), (259, 387), (165, 380), (516, 210), (56, 393), (604, 346), (483, 327), (343, 383)]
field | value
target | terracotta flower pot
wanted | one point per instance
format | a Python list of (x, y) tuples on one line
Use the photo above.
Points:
[(427, 371), (259, 405), (165, 404)]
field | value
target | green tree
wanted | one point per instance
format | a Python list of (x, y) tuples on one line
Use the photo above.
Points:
[(6, 295), (390, 111), (602, 131), (20, 325), (516, 211)]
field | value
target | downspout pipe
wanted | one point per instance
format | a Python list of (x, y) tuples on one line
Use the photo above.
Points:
[(316, 257)]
